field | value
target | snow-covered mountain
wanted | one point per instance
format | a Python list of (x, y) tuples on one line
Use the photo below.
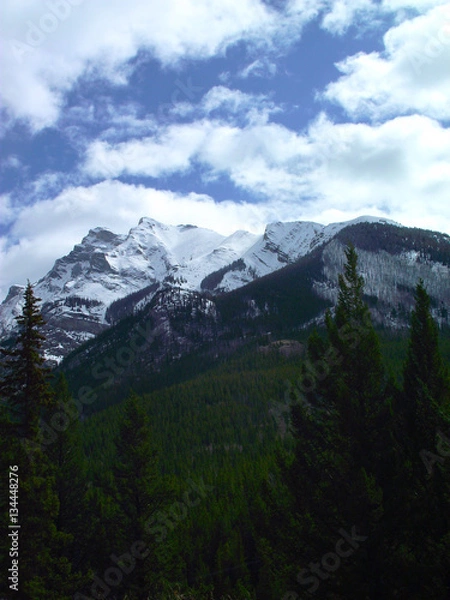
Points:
[(78, 293)]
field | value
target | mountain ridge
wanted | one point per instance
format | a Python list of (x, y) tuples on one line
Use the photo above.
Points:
[(108, 276)]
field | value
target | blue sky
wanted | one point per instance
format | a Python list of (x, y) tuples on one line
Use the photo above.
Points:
[(225, 114)]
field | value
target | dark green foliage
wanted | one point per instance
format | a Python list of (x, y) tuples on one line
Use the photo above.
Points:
[(24, 387), (232, 493), (138, 494), (45, 572), (227, 427), (423, 485), (424, 366), (67, 458), (335, 477), (357, 462)]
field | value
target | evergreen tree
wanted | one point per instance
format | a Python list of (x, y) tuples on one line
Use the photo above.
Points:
[(426, 382), (25, 383), (44, 572), (336, 475), (422, 559)]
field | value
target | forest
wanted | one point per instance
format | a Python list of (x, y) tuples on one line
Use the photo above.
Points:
[(321, 474)]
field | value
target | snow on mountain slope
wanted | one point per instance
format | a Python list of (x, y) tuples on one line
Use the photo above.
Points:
[(229, 250), (282, 244), (106, 267)]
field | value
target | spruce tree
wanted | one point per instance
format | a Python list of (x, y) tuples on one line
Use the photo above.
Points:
[(25, 393), (335, 478), (422, 554), (426, 383), (25, 383)]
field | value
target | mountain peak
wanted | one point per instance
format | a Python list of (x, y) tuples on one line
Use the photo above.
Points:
[(100, 236), (149, 222), (14, 290), (105, 268)]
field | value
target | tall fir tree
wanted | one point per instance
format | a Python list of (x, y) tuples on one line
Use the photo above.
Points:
[(335, 479), (44, 572), (422, 553), (426, 379), (25, 383)]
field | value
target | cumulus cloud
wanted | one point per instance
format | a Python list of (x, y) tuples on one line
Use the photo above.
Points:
[(50, 228), (343, 13), (398, 168), (225, 123), (333, 172), (47, 47), (232, 103), (368, 168), (412, 75)]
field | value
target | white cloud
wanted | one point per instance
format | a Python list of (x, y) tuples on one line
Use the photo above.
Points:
[(233, 101), (167, 152), (412, 75), (258, 68), (47, 47), (333, 172), (399, 169), (343, 13), (174, 148), (366, 168), (49, 229), (234, 105)]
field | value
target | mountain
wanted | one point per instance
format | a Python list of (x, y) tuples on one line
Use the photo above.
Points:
[(109, 276), (179, 331)]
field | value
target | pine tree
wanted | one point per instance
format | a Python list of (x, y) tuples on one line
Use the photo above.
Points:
[(336, 476), (426, 383), (25, 391), (25, 385), (422, 555)]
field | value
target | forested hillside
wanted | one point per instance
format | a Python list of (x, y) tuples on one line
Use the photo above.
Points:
[(313, 466)]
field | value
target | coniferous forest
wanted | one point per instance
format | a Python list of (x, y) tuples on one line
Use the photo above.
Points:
[(264, 475)]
